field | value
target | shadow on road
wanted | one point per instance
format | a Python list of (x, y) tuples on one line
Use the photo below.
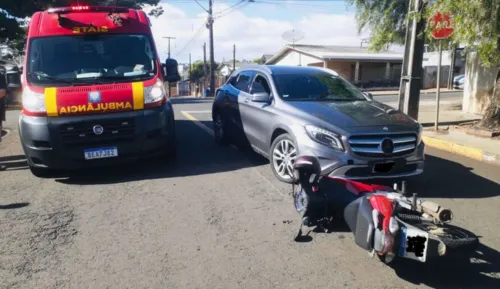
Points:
[(15, 162), (444, 178), (197, 155), (480, 271), (185, 100), (14, 206)]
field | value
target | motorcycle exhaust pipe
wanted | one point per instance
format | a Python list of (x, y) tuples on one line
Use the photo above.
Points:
[(442, 214)]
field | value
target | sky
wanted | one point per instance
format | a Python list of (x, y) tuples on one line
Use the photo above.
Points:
[(256, 28)]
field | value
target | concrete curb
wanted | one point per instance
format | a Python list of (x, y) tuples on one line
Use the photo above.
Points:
[(466, 151), (13, 107), (395, 92)]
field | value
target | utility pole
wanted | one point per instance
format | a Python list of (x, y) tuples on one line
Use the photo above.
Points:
[(452, 66), (168, 83), (168, 37), (204, 66), (411, 76), (234, 57), (190, 73), (436, 124), (211, 36)]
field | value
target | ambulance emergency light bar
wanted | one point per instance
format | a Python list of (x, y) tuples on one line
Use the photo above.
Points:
[(76, 9)]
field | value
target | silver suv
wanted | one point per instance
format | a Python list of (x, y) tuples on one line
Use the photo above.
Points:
[(284, 111)]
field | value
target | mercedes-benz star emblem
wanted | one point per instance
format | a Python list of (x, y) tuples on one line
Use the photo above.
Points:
[(385, 128), (98, 129), (387, 146)]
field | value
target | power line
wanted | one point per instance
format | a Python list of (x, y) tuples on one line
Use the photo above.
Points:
[(196, 35), (303, 7), (230, 7), (304, 1), (200, 5), (241, 4)]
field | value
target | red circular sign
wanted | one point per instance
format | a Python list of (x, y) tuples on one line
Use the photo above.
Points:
[(441, 25)]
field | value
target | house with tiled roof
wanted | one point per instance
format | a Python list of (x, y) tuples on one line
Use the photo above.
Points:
[(356, 64)]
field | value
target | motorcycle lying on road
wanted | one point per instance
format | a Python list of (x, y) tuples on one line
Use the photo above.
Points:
[(384, 220)]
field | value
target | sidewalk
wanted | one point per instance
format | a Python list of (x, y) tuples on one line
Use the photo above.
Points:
[(474, 147), (423, 91), (450, 112), (454, 141)]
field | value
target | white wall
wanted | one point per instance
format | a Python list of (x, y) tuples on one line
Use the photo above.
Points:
[(292, 59), (478, 85), (432, 58)]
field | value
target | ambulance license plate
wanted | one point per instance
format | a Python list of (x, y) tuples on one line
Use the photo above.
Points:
[(100, 153)]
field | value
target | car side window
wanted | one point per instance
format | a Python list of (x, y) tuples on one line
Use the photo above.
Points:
[(232, 79), (260, 84), (244, 80)]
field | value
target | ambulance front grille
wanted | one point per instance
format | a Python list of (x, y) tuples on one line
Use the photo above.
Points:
[(82, 133), (87, 89)]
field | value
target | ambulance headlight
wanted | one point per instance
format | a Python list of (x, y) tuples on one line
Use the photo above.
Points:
[(154, 93), (33, 101)]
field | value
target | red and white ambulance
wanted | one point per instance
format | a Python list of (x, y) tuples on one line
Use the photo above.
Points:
[(93, 90)]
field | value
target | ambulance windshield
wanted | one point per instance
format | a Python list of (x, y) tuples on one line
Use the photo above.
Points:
[(57, 61)]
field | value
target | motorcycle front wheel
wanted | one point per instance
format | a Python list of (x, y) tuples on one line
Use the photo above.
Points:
[(456, 239)]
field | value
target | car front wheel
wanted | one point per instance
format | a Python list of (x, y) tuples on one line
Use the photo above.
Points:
[(283, 154), (220, 131)]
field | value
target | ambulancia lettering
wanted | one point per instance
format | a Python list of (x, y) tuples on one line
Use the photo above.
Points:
[(95, 107)]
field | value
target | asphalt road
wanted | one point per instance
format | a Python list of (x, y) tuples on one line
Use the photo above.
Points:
[(216, 219)]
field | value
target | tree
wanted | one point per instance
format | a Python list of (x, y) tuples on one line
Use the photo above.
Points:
[(197, 72), (13, 21), (476, 23)]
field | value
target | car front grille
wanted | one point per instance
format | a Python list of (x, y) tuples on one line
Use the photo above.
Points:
[(82, 133), (377, 145)]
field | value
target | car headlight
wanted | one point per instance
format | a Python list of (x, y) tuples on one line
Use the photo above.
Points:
[(33, 101), (154, 93), (325, 137)]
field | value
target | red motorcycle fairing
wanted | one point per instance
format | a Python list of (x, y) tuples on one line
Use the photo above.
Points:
[(358, 188), (384, 206)]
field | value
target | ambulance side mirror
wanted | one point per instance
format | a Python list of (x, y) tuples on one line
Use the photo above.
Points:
[(172, 70)]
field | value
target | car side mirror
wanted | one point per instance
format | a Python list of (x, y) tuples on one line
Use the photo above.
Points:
[(261, 97), (369, 95), (172, 70)]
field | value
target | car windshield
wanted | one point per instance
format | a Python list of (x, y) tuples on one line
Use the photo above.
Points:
[(57, 61), (316, 86)]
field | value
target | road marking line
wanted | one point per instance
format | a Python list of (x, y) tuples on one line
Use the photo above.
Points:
[(198, 123), (197, 111)]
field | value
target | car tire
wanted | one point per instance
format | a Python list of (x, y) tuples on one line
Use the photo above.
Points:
[(220, 129), (286, 146)]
